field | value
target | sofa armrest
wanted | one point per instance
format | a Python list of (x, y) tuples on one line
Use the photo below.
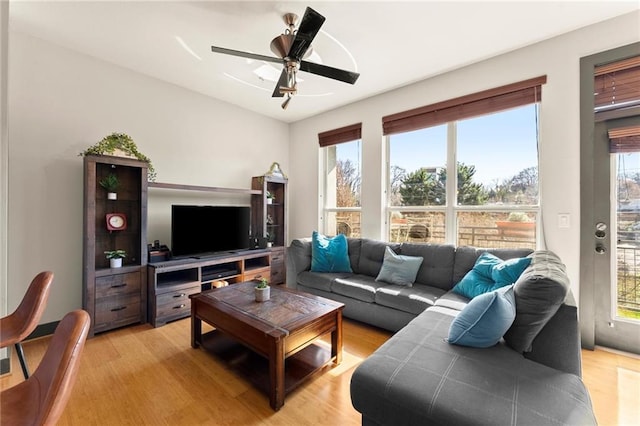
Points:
[(558, 343), (298, 260)]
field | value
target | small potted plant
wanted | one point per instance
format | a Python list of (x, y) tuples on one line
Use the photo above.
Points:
[(270, 197), (115, 257), (262, 290), (270, 238), (111, 184)]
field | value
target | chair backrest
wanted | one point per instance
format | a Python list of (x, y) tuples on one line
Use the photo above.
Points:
[(18, 325), (343, 228), (418, 231), (41, 399), (58, 370)]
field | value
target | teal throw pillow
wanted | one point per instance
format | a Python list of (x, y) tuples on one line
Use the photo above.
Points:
[(329, 254), (485, 319), (490, 273), (509, 271), (398, 269)]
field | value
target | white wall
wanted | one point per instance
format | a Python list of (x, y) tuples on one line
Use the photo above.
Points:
[(558, 58), (60, 103)]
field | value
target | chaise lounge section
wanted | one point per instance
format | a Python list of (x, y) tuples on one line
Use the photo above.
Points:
[(531, 376)]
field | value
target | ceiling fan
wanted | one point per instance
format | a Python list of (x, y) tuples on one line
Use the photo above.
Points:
[(291, 47)]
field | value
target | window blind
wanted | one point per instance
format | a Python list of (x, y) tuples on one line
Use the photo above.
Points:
[(349, 133), (624, 139), (617, 85), (485, 102)]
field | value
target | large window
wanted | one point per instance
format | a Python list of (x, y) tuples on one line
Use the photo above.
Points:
[(492, 200), (342, 157)]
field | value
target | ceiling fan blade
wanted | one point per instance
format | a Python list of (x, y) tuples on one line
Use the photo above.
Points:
[(245, 54), (309, 27), (330, 72), (282, 81)]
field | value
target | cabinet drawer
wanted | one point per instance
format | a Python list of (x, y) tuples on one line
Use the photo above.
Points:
[(119, 284), (117, 310), (252, 274), (277, 273), (175, 298), (277, 254)]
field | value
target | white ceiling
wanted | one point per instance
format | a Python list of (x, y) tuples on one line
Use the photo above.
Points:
[(392, 43)]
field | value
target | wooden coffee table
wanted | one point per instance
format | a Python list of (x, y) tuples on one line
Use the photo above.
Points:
[(274, 344)]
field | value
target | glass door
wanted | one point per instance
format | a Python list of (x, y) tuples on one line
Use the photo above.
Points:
[(617, 241)]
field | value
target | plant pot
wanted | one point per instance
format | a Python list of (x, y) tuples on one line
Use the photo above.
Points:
[(269, 244), (115, 263), (269, 200), (112, 196), (262, 294)]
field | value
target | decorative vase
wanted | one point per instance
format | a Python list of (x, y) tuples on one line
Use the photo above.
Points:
[(262, 294), (112, 196), (115, 263)]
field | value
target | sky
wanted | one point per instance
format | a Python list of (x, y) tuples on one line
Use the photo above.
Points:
[(498, 145)]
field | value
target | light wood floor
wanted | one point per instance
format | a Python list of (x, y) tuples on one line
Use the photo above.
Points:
[(140, 375)]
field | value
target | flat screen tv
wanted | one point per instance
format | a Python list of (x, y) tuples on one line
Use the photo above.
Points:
[(200, 231)]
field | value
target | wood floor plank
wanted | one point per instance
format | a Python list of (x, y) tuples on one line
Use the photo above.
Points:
[(141, 375)]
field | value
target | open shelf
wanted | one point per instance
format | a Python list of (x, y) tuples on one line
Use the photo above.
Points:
[(202, 188), (171, 281)]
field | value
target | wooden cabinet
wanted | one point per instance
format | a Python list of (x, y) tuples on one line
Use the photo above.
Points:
[(171, 282), (269, 219), (114, 297)]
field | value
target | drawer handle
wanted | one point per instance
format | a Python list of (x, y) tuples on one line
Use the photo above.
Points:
[(118, 309), (119, 285), (179, 306), (177, 296)]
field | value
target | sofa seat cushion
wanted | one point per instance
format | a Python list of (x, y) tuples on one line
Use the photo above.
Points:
[(417, 378), (320, 280), (452, 300), (408, 299), (360, 287)]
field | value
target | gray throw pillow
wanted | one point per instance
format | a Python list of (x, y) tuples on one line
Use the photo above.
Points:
[(398, 269), (540, 291)]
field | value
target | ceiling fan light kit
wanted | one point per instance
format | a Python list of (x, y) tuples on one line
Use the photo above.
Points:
[(292, 47)]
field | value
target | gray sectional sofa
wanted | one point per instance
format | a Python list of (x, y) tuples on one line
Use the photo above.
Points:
[(418, 378)]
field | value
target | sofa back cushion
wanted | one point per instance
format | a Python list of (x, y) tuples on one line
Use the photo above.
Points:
[(354, 245), (372, 256), (437, 265), (466, 257), (540, 291)]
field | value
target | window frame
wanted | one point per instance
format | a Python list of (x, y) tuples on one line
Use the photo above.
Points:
[(451, 208), (329, 140)]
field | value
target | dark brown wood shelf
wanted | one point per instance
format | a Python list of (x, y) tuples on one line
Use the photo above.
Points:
[(114, 297), (299, 367), (203, 188), (269, 220), (170, 282)]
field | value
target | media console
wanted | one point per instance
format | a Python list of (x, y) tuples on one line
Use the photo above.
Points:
[(171, 282)]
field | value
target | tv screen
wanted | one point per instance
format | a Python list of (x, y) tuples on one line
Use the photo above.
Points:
[(206, 230)]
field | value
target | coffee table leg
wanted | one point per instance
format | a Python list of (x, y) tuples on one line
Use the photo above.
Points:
[(196, 328), (336, 339), (276, 374)]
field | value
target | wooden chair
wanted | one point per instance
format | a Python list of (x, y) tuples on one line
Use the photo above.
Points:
[(41, 399), (18, 325), (418, 232), (343, 228)]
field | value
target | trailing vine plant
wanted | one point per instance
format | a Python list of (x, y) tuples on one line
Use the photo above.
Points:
[(122, 141)]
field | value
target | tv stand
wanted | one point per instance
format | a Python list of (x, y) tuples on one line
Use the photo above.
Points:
[(171, 282)]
